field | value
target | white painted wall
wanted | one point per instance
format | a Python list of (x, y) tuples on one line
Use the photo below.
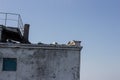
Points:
[(41, 62)]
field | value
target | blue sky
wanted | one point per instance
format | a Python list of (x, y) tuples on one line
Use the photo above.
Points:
[(94, 22)]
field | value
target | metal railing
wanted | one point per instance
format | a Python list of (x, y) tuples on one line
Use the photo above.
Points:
[(11, 20)]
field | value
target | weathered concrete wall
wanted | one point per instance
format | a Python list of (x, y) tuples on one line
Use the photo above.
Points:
[(41, 62)]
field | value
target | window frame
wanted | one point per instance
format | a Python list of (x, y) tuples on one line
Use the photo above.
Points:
[(6, 63)]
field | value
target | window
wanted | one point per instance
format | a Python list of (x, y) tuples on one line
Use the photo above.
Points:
[(9, 64)]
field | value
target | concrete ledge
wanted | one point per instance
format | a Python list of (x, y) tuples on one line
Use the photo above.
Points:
[(40, 46)]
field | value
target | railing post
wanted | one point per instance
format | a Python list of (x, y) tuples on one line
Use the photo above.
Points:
[(5, 19), (18, 21)]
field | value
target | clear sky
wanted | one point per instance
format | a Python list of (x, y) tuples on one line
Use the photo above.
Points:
[(94, 22)]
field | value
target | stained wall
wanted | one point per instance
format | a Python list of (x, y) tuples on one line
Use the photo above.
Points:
[(41, 62)]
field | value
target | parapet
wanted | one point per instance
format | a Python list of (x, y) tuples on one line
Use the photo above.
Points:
[(72, 45)]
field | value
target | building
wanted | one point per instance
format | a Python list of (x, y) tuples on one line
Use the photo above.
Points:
[(21, 60)]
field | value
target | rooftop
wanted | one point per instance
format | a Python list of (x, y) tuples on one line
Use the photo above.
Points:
[(42, 45)]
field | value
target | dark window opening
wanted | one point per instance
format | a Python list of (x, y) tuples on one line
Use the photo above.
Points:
[(9, 64)]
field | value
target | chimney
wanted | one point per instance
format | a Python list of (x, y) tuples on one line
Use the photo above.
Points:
[(26, 32)]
